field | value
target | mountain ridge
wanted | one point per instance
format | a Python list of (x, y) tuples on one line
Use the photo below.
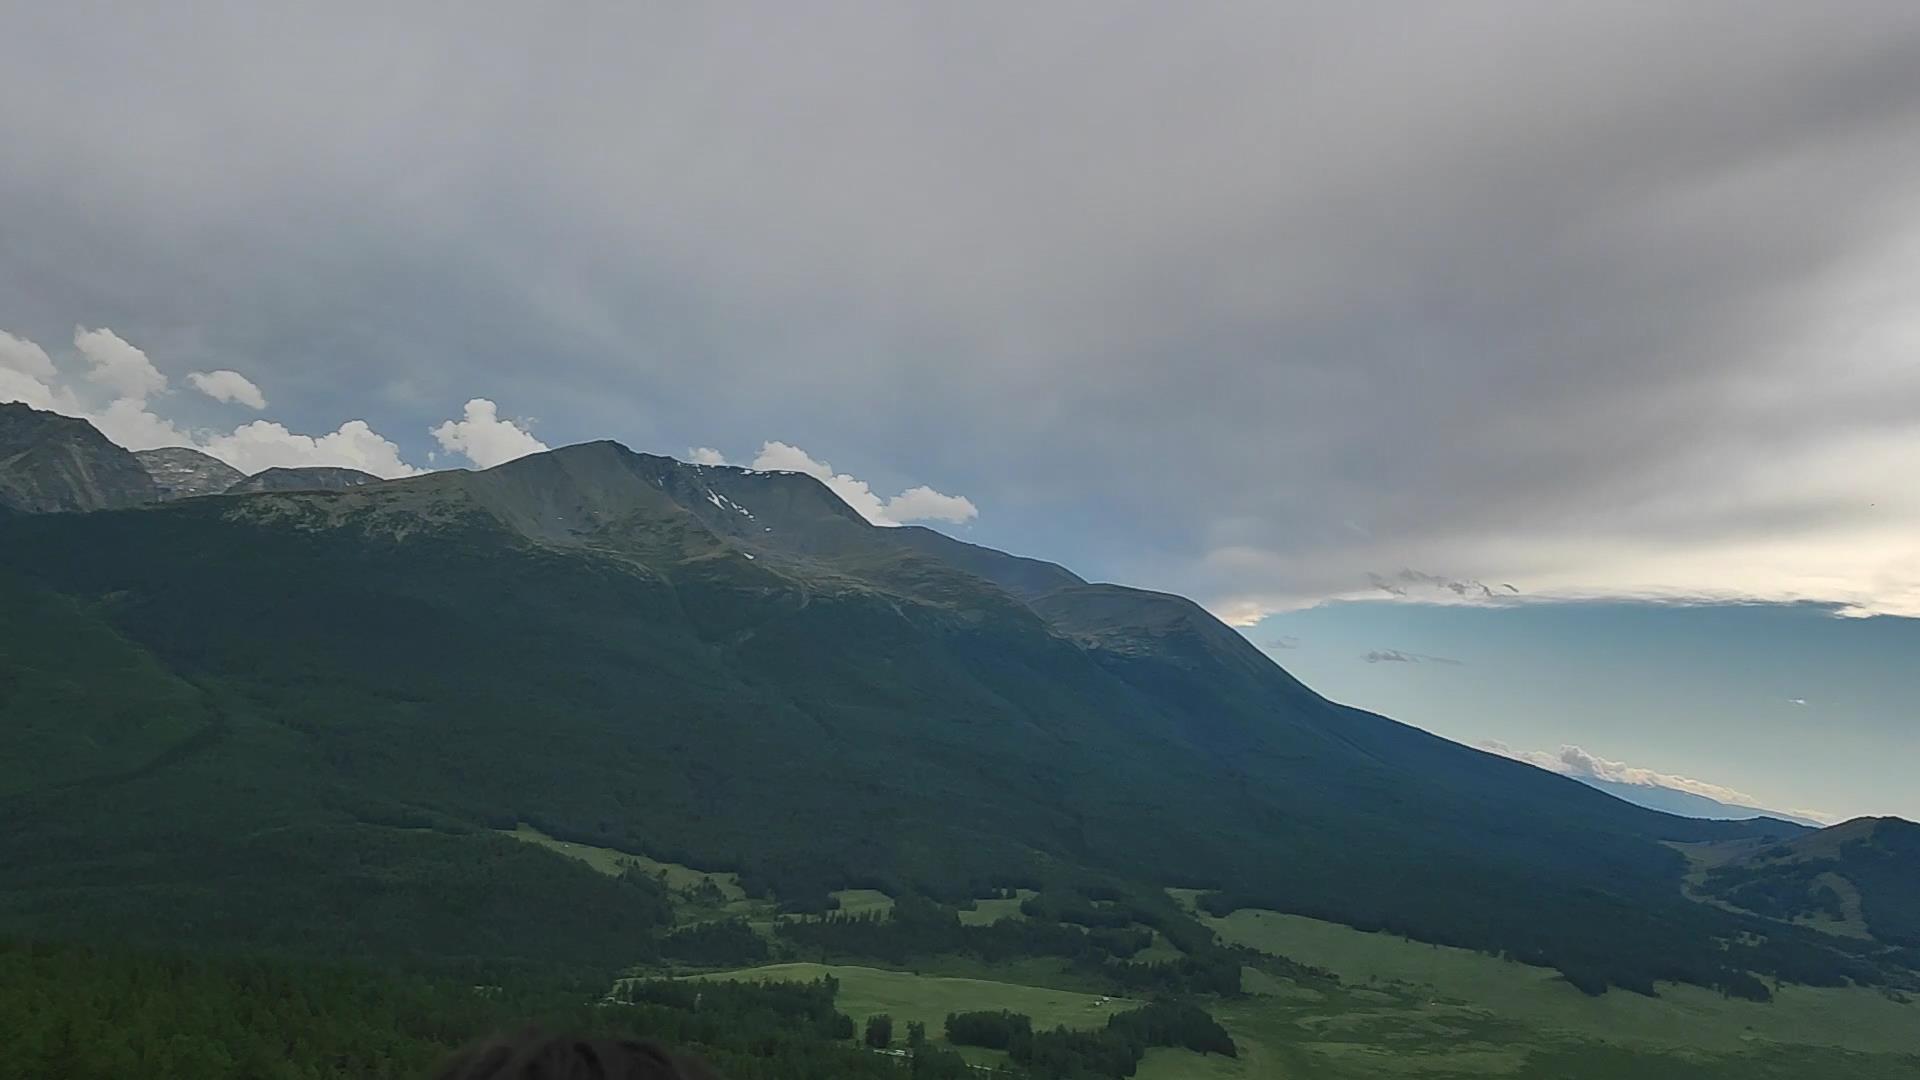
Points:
[(731, 668)]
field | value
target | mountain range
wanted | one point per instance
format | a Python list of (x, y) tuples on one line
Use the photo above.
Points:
[(259, 718)]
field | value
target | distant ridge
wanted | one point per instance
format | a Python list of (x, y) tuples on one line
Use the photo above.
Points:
[(310, 478), (1688, 804)]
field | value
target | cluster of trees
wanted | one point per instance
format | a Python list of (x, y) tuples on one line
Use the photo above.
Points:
[(716, 943), (98, 1013), (1780, 891), (1217, 971), (1114, 1051), (805, 1006)]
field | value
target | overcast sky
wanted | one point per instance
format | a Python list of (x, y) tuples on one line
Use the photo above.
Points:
[(1268, 304)]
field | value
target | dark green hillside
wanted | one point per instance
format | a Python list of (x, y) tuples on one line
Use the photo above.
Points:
[(731, 669), (82, 703)]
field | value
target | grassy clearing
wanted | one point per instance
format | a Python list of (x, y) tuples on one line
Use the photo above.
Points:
[(613, 863), (864, 902), (989, 911)]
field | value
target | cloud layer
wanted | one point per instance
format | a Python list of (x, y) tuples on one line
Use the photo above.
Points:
[(1247, 301), (1399, 656)]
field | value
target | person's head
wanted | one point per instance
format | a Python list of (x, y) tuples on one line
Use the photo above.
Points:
[(536, 1056)]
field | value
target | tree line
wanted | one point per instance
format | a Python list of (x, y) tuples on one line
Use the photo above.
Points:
[(1113, 1051), (919, 927)]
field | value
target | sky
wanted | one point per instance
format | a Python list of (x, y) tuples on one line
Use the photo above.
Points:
[(1484, 331)]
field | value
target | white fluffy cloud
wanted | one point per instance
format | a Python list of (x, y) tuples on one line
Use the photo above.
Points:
[(117, 365), (780, 457), (264, 444), (23, 357), (129, 422), (26, 373), (114, 365), (228, 386), (706, 455), (485, 439), (925, 504), (915, 504)]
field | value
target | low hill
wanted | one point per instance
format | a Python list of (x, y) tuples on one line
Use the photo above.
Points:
[(1861, 875)]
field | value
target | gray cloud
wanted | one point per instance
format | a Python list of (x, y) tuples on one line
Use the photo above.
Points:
[(1417, 583), (1241, 301)]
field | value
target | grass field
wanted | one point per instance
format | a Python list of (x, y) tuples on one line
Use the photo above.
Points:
[(864, 902), (1681, 1017)]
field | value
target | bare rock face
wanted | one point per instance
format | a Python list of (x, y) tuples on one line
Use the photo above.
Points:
[(181, 473), (315, 478), (51, 463)]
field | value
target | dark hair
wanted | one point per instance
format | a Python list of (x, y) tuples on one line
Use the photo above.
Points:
[(536, 1056)]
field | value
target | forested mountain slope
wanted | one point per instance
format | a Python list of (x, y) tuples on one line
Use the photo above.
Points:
[(732, 669)]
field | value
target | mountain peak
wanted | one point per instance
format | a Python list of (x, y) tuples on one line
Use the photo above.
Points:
[(50, 463), (181, 473)]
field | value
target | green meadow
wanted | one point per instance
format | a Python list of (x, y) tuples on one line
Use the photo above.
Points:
[(1403, 1008)]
